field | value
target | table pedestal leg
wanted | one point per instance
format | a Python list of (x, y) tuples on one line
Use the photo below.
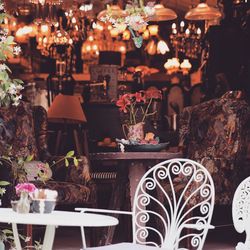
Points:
[(49, 237), (16, 237)]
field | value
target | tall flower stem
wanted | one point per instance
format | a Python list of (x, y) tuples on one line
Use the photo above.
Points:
[(146, 112)]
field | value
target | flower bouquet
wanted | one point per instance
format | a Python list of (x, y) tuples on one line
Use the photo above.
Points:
[(136, 108), (134, 17)]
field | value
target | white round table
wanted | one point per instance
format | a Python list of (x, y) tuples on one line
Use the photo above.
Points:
[(52, 220)]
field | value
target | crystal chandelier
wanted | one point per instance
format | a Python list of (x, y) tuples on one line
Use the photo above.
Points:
[(186, 39)]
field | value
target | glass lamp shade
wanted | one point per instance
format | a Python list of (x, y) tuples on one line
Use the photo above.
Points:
[(151, 47), (66, 108), (163, 14), (186, 66), (116, 12), (153, 30), (162, 47), (203, 12)]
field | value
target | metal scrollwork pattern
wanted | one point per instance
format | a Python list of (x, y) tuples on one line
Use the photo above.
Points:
[(172, 196), (241, 212)]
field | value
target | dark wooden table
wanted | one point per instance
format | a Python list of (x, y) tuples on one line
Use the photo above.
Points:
[(131, 167)]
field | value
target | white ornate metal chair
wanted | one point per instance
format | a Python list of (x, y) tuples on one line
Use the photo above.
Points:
[(241, 212), (173, 195)]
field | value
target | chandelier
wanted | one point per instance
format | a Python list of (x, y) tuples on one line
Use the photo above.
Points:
[(186, 39)]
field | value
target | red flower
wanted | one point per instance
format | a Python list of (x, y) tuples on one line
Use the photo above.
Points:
[(153, 93), (140, 97), (123, 102)]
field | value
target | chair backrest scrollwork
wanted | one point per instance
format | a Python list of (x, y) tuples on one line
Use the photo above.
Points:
[(173, 195), (241, 211)]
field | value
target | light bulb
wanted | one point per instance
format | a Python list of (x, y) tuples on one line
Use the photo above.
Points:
[(162, 47), (182, 24), (174, 26)]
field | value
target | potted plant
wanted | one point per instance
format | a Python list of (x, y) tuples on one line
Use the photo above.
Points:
[(137, 108)]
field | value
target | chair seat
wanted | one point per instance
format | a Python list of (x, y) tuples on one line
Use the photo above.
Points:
[(123, 246), (68, 192)]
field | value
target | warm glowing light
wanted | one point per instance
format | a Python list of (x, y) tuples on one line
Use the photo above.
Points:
[(185, 66), (153, 30), (122, 49), (45, 29), (174, 26), (198, 31), (126, 35), (187, 32), (114, 33), (145, 34), (151, 48), (73, 20), (182, 24), (162, 47), (91, 38)]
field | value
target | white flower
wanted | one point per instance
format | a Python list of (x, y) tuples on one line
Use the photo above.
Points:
[(16, 100), (149, 11), (3, 67), (2, 94), (12, 89), (17, 50), (135, 22), (120, 27), (27, 239), (19, 87), (1, 6)]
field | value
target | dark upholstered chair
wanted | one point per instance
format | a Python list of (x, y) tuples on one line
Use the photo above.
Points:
[(25, 129), (214, 133)]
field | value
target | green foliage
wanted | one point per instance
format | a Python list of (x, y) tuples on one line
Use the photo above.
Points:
[(9, 88)]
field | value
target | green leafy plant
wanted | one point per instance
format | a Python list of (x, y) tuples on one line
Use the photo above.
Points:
[(10, 89)]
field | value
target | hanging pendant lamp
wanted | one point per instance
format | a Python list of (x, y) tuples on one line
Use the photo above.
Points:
[(163, 14), (115, 9), (203, 12)]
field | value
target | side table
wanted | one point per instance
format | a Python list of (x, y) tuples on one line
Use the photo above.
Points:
[(132, 166)]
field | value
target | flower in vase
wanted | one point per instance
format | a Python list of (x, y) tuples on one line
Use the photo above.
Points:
[(137, 105), (25, 187)]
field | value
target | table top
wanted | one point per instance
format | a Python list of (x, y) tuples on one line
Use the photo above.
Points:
[(57, 218), (136, 155)]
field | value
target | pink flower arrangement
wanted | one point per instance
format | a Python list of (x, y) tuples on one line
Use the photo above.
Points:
[(139, 101), (25, 187)]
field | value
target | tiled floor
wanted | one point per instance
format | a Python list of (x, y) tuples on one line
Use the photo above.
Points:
[(217, 239)]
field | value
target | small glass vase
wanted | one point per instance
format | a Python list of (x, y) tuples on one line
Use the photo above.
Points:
[(23, 205)]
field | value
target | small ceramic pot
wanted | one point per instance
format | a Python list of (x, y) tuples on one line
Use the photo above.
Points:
[(43, 206)]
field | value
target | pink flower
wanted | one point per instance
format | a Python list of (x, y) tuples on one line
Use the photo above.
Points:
[(123, 102), (25, 187)]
